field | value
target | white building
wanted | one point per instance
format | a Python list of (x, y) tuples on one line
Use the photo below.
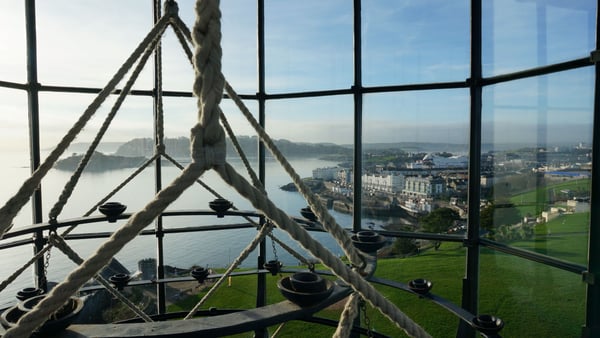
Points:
[(385, 182), (327, 174), (423, 186)]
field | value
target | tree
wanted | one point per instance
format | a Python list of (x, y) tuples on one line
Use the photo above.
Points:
[(405, 246), (438, 221), (496, 214)]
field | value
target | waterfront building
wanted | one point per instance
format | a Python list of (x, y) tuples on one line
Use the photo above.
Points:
[(345, 177), (384, 182), (423, 186), (327, 174)]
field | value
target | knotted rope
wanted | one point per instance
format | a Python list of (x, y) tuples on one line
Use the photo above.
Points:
[(208, 138)]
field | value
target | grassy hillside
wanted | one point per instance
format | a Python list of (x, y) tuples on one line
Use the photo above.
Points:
[(534, 300)]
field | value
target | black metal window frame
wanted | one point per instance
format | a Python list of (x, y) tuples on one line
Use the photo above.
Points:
[(475, 83)]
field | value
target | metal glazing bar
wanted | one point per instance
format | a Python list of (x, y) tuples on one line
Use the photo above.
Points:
[(34, 133), (157, 108), (470, 289), (358, 112), (261, 288)]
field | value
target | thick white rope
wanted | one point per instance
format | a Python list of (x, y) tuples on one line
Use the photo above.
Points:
[(182, 32), (68, 189), (208, 138), (14, 205), (339, 268), (384, 306), (67, 250), (243, 255), (351, 310)]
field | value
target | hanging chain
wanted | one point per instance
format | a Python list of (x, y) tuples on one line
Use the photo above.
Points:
[(47, 258), (366, 319), (273, 245)]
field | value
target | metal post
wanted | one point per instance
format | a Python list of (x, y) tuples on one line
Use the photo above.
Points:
[(357, 98), (158, 141), (357, 93), (261, 289), (34, 134), (470, 290)]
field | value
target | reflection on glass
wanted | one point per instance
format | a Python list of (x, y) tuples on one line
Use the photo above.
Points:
[(537, 138), (526, 34), (415, 161), (415, 42), (308, 45), (531, 298)]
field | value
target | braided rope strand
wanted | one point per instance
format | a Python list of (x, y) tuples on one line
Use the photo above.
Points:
[(347, 317), (209, 81)]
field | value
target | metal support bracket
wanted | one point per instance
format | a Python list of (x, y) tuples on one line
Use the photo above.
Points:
[(595, 56), (588, 277)]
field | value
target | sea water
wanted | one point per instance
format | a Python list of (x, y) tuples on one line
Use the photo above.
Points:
[(206, 248)]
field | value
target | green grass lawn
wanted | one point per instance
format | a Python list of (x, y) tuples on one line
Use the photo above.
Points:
[(534, 300)]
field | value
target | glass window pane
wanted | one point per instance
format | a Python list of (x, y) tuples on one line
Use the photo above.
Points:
[(85, 43), (313, 133), (415, 160), (14, 149), (415, 42), (526, 34), (537, 134), (444, 268), (13, 42), (308, 45), (238, 21), (531, 297)]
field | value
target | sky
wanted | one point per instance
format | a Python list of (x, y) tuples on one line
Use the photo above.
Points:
[(309, 47)]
